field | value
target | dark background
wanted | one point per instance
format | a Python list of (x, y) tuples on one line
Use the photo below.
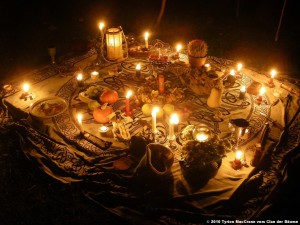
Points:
[(28, 27), (27, 195)]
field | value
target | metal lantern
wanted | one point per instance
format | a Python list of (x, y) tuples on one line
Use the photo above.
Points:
[(114, 46)]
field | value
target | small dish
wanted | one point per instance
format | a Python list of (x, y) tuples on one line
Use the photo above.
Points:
[(48, 107)]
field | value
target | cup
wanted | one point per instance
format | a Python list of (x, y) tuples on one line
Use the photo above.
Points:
[(52, 53)]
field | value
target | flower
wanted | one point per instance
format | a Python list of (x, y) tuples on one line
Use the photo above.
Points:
[(197, 48), (196, 154)]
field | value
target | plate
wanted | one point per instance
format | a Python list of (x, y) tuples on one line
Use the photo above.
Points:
[(84, 98), (48, 107)]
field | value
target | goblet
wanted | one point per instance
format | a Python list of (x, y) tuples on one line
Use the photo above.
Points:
[(52, 53)]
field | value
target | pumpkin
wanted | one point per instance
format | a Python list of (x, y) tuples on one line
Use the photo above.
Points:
[(100, 114), (109, 96)]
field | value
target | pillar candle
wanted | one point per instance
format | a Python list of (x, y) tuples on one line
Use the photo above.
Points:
[(271, 81), (127, 107), (242, 92), (173, 120), (138, 70), (161, 83), (146, 39), (154, 112)]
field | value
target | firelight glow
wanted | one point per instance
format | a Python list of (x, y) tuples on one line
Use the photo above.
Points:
[(178, 48), (232, 72), (174, 119), (79, 77), (138, 66), (238, 155), (101, 25), (26, 87), (273, 73), (243, 89), (129, 93), (79, 118), (239, 66), (262, 91)]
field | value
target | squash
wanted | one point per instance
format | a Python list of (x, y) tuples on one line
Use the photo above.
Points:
[(100, 114), (109, 96)]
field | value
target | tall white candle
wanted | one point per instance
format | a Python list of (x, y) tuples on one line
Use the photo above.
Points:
[(79, 119), (101, 25), (154, 112), (173, 120), (146, 39)]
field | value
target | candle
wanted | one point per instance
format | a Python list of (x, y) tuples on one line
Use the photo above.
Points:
[(261, 92), (207, 67), (94, 75), (154, 112), (127, 107), (238, 157), (239, 67), (242, 92), (79, 119), (103, 129), (80, 79), (231, 78), (161, 83), (173, 120), (201, 137), (271, 82), (146, 39), (178, 48), (26, 88), (101, 25), (138, 70)]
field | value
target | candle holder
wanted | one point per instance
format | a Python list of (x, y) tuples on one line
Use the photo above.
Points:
[(202, 133), (113, 47), (172, 144)]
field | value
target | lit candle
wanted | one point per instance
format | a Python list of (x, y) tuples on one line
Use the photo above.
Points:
[(101, 25), (80, 79), (238, 158), (114, 43), (161, 83), (273, 73), (103, 129), (138, 70), (201, 137), (127, 107), (79, 119), (242, 92), (173, 120), (178, 48), (231, 78), (26, 88), (154, 112), (94, 75), (146, 39), (207, 67), (239, 67), (261, 92)]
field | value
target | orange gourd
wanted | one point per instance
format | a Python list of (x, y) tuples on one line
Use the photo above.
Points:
[(109, 96), (100, 114)]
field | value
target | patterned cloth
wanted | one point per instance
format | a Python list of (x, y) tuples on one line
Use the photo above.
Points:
[(57, 146)]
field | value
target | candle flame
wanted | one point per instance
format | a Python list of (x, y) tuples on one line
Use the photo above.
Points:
[(26, 87), (146, 35), (129, 93), (238, 155), (239, 66), (232, 72), (79, 77), (201, 137), (262, 91), (103, 128), (243, 88), (174, 118), (178, 47), (95, 73), (79, 118), (273, 73), (101, 25), (155, 111), (138, 66)]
